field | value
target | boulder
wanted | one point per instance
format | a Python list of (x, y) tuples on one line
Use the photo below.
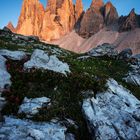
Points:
[(4, 75), (14, 55), (125, 54), (31, 107), (103, 50), (14, 129), (133, 76), (41, 59), (113, 114)]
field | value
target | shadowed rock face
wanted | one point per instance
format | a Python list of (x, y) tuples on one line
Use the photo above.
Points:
[(92, 20), (129, 22), (110, 14), (96, 17), (91, 23)]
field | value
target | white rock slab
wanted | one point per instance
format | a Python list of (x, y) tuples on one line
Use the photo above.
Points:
[(14, 55), (114, 114), (31, 106), (41, 59), (16, 129), (4, 75)]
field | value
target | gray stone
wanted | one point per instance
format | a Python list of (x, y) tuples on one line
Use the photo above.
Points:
[(17, 129), (114, 114), (31, 106), (125, 54), (103, 50)]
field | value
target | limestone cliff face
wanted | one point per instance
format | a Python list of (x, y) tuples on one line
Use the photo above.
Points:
[(78, 9), (110, 13), (31, 17), (59, 19), (92, 20)]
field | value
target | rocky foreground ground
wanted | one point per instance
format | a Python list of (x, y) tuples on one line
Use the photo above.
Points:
[(48, 93)]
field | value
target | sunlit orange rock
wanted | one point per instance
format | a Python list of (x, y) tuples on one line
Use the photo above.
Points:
[(11, 27), (31, 17)]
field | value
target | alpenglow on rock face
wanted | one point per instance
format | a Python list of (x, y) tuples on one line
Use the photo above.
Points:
[(31, 17), (60, 17), (114, 114), (11, 27)]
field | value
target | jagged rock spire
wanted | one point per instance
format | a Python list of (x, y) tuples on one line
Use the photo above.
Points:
[(78, 9), (11, 27), (31, 18), (110, 13), (97, 4), (51, 6), (129, 22)]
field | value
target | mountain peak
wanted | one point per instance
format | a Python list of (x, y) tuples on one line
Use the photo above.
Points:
[(31, 15), (97, 4), (10, 26), (129, 22), (78, 9), (110, 13), (132, 13)]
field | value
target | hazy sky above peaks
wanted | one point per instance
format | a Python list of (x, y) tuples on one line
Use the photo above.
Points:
[(10, 9)]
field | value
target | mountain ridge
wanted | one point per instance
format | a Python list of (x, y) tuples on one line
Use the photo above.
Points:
[(61, 18)]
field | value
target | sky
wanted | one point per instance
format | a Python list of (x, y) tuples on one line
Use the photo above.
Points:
[(10, 9)]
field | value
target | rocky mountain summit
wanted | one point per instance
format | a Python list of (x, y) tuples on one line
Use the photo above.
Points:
[(60, 17), (129, 22), (48, 93), (66, 24), (48, 23)]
